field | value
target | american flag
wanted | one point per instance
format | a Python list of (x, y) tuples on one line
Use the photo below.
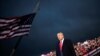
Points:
[(15, 26)]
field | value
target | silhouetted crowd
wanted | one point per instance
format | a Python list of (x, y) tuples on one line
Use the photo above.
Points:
[(81, 48)]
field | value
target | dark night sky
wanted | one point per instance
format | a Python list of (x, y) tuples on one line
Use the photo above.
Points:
[(78, 19)]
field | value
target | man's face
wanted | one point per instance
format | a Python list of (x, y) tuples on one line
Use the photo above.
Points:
[(60, 36)]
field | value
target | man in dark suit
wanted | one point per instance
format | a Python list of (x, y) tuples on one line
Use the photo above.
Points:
[(64, 46)]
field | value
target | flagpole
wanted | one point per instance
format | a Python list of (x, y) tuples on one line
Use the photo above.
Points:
[(20, 38), (36, 7), (16, 46)]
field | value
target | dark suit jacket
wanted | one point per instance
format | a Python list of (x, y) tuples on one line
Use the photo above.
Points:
[(67, 49)]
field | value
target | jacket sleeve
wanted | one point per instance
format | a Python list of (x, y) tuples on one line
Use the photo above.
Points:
[(57, 50), (72, 50)]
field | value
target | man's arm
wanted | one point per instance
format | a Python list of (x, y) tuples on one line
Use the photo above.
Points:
[(72, 50), (57, 50)]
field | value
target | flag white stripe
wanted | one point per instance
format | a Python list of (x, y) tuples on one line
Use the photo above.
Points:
[(17, 30), (1, 37), (26, 25), (5, 32), (1, 25), (7, 21), (12, 34), (15, 35), (23, 26), (12, 26), (20, 34), (9, 31)]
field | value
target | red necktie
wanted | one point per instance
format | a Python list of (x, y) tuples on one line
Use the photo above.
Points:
[(60, 45)]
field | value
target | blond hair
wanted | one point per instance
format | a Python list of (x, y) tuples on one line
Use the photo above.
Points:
[(59, 33)]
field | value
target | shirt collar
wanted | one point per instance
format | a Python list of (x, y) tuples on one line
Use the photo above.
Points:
[(62, 40)]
